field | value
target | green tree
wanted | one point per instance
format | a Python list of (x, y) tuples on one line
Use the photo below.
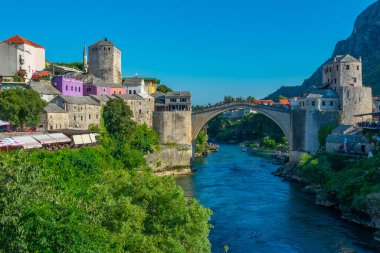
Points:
[(250, 99), (21, 107), (164, 89), (145, 139), (118, 121), (74, 65), (201, 142), (323, 133), (228, 99), (281, 97)]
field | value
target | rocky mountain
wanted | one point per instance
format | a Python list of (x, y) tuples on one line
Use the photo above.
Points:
[(364, 41)]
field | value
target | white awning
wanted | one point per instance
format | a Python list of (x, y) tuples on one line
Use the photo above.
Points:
[(27, 142), (86, 139), (93, 138), (60, 137), (9, 142), (77, 139), (44, 139)]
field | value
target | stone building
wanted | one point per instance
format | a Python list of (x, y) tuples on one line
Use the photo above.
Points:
[(172, 101), (83, 111), (68, 86), (45, 89), (105, 61), (18, 53), (319, 100), (54, 118), (142, 106), (344, 75), (96, 86)]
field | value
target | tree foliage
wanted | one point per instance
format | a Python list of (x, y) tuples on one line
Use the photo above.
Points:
[(97, 199), (21, 107), (323, 133), (74, 65), (118, 119), (164, 89)]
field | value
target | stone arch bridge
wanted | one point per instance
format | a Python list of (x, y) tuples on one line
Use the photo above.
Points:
[(280, 116)]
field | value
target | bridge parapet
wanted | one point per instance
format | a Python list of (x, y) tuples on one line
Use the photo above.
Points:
[(222, 106)]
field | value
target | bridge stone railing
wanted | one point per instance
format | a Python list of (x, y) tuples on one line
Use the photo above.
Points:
[(239, 104)]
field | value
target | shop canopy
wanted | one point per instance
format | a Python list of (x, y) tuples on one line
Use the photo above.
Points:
[(78, 139), (93, 138), (4, 123), (9, 142), (27, 142), (44, 139), (60, 137), (86, 139)]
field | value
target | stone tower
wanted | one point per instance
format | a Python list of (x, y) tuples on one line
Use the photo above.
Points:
[(344, 75), (85, 65), (105, 61)]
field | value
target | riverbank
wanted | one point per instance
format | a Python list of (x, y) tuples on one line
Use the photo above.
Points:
[(349, 186)]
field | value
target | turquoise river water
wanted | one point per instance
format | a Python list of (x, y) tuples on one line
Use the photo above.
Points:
[(254, 211)]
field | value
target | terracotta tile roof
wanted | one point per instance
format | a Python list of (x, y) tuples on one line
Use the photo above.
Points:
[(20, 40), (284, 101), (263, 101)]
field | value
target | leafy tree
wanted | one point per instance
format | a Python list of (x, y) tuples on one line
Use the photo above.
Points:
[(268, 142), (201, 142), (250, 99), (85, 201), (281, 97), (20, 76), (164, 89), (228, 99), (144, 139), (74, 65), (21, 107), (323, 133), (117, 118)]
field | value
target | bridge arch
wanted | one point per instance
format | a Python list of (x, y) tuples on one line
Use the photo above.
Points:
[(279, 116)]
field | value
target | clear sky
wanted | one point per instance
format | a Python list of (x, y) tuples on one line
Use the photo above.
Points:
[(209, 47)]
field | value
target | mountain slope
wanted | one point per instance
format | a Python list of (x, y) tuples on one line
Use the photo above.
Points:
[(363, 42)]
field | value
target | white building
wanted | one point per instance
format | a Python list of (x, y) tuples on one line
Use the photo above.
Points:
[(319, 100), (135, 85), (17, 53)]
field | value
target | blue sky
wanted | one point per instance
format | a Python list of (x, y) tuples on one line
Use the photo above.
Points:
[(209, 47)]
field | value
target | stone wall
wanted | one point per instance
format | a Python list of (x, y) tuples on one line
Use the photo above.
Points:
[(54, 121), (82, 116), (142, 110), (355, 101), (298, 129), (105, 63), (173, 126), (169, 158)]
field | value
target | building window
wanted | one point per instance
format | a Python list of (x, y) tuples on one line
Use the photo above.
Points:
[(173, 100), (334, 80), (75, 118), (337, 67), (355, 80), (97, 116), (348, 67), (183, 100), (312, 103), (75, 89), (130, 92), (79, 89), (300, 103), (357, 67), (75, 107), (81, 108), (72, 88), (81, 118), (323, 103), (89, 116), (140, 111), (134, 92), (331, 103), (120, 92), (67, 87), (104, 90)]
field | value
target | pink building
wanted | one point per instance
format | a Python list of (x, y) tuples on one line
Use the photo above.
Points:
[(103, 89), (68, 86)]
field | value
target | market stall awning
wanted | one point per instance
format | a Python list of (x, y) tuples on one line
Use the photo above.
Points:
[(93, 138), (44, 139), (86, 139), (4, 123), (9, 142), (60, 137), (77, 139), (27, 142)]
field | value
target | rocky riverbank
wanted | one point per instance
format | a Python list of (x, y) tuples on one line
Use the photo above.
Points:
[(365, 211)]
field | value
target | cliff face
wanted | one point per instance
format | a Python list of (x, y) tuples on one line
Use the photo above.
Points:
[(364, 42)]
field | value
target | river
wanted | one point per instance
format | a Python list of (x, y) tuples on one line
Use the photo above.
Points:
[(254, 211)]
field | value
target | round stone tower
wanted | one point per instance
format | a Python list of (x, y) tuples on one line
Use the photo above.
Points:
[(105, 61)]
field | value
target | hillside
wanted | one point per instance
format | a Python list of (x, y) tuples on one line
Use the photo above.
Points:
[(364, 41)]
